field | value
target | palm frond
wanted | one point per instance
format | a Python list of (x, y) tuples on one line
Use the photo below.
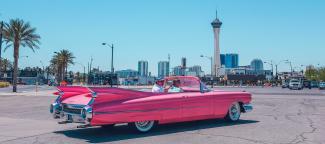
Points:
[(20, 32)]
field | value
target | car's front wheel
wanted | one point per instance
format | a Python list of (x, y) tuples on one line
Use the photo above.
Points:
[(144, 126), (233, 112)]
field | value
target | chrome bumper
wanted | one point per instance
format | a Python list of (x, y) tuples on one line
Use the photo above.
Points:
[(84, 117), (248, 107)]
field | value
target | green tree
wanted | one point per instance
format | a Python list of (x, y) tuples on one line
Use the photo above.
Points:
[(311, 74), (19, 33), (60, 62), (321, 74)]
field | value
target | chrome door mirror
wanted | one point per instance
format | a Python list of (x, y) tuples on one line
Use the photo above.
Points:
[(203, 88)]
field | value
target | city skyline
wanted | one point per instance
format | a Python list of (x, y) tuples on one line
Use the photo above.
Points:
[(251, 29)]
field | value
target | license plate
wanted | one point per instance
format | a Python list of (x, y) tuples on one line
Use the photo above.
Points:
[(75, 118)]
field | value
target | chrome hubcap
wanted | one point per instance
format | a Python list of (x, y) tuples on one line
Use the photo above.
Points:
[(144, 126), (234, 112)]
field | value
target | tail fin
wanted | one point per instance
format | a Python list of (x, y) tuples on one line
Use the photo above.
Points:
[(78, 89), (69, 91)]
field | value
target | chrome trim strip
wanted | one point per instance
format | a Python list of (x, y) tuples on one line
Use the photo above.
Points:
[(76, 106), (130, 111), (248, 107), (147, 110)]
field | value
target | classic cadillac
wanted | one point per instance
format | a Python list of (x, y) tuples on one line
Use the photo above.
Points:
[(98, 106)]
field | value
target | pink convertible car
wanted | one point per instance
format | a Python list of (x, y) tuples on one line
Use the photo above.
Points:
[(94, 106)]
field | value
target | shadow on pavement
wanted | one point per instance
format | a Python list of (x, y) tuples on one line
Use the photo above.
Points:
[(98, 134)]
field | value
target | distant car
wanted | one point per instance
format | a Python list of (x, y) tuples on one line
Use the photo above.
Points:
[(321, 85), (307, 84), (314, 84), (295, 84), (285, 85)]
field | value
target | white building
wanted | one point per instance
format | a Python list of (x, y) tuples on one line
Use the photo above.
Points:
[(216, 24)]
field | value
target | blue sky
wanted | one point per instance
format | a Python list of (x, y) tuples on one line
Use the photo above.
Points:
[(149, 30)]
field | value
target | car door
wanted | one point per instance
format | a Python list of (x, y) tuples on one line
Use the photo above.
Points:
[(169, 106), (197, 105)]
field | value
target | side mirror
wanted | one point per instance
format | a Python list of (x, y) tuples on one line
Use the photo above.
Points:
[(203, 88)]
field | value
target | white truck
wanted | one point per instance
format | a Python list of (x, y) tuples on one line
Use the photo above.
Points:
[(295, 84)]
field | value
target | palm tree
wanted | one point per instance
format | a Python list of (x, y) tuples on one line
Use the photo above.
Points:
[(19, 33), (5, 65), (60, 62)]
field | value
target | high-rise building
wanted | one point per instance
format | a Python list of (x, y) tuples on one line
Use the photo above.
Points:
[(196, 70), (231, 60), (163, 69), (257, 65), (223, 59), (178, 71), (216, 24), (126, 73), (183, 64), (143, 68)]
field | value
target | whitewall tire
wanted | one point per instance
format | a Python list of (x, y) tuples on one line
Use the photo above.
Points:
[(233, 112), (144, 126)]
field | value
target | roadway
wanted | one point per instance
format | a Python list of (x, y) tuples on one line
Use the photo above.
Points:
[(279, 116)]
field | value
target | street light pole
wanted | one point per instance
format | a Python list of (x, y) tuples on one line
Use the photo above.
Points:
[(289, 62), (43, 70), (112, 67), (1, 27), (42, 65), (271, 64), (302, 69), (299, 69), (84, 75), (276, 67), (112, 62), (211, 60)]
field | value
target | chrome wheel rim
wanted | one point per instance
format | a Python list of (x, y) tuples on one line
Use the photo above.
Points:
[(144, 126), (234, 112)]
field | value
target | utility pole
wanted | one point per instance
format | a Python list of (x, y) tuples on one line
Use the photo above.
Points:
[(84, 76), (88, 72), (1, 28), (112, 67), (47, 75), (90, 66), (276, 72), (271, 64), (289, 62), (169, 65)]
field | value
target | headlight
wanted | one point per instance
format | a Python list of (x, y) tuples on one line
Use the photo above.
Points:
[(54, 107), (87, 112), (51, 108)]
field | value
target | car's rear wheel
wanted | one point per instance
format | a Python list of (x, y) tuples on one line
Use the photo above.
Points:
[(233, 112), (144, 126)]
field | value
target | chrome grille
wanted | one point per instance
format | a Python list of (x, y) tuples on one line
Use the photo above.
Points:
[(72, 109)]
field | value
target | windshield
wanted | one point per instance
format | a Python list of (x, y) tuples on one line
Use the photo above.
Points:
[(187, 83), (294, 81)]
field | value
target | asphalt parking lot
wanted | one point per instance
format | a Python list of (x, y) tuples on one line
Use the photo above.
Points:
[(279, 116)]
